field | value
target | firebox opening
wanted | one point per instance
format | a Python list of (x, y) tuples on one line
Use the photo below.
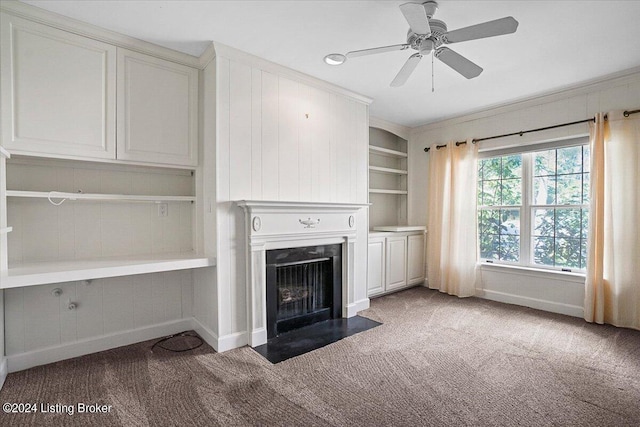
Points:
[(304, 286)]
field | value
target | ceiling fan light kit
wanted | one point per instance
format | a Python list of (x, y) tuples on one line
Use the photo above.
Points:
[(335, 59), (427, 35)]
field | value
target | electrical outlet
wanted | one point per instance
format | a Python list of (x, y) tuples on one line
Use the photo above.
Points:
[(163, 209)]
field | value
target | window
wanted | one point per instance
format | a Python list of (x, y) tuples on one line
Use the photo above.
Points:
[(533, 208)]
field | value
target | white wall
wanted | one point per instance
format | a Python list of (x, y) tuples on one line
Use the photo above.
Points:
[(553, 292), (281, 136)]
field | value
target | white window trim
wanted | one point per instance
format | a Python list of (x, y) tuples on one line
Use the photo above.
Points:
[(526, 207)]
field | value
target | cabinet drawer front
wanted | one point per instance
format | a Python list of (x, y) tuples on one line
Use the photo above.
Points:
[(58, 91), (157, 110)]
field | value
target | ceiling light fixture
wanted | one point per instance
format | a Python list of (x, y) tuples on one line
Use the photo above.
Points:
[(335, 59)]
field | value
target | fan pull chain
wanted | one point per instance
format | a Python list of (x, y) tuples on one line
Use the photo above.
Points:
[(432, 78)]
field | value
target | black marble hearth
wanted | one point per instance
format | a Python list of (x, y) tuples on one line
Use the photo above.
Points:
[(309, 338)]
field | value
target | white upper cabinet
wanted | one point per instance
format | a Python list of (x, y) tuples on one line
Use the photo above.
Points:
[(157, 110), (58, 91)]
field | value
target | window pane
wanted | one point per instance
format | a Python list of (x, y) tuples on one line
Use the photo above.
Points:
[(583, 254), (512, 166), (570, 160), (490, 222), (491, 193), (544, 163), (586, 158), (543, 223), (491, 168), (543, 250), (585, 188), (489, 246), (510, 248), (568, 253), (585, 223), (511, 192), (544, 191), (569, 190), (568, 223), (510, 223)]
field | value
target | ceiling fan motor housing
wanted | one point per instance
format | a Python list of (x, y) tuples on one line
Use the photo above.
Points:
[(435, 39)]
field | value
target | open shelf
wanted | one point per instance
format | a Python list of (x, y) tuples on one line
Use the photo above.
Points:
[(383, 191), (42, 273), (387, 170), (57, 195), (386, 152)]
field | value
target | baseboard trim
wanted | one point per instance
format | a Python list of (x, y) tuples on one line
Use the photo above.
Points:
[(21, 361), (354, 308), (205, 333), (539, 304), (3, 371), (231, 341), (258, 337)]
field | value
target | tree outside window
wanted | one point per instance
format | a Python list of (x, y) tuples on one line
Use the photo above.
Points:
[(558, 185)]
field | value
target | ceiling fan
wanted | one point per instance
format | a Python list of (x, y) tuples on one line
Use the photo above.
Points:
[(427, 35)]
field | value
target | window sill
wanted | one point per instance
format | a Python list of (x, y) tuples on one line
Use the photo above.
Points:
[(535, 272)]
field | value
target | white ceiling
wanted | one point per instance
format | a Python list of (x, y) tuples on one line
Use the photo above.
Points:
[(558, 44)]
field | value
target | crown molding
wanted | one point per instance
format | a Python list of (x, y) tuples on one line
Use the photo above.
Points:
[(84, 29)]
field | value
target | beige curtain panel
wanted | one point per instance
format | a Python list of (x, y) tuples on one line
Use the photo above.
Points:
[(451, 247), (612, 293)]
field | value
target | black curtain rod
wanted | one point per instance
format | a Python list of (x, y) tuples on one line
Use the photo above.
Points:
[(522, 132)]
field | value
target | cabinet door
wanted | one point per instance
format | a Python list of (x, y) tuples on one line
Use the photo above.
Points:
[(157, 110), (415, 256), (58, 91), (396, 262), (376, 267)]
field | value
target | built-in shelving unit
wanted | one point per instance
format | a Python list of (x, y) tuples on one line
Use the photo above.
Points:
[(387, 178), (108, 227)]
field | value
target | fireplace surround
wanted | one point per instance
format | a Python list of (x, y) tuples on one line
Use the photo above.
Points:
[(274, 225)]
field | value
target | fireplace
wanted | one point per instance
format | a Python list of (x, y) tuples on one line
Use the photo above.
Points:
[(304, 286), (295, 238)]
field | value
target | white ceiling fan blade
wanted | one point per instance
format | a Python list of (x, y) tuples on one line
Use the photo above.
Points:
[(458, 62), (498, 27), (375, 50), (416, 16), (406, 70)]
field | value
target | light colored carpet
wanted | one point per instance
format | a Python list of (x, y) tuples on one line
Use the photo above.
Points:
[(437, 360)]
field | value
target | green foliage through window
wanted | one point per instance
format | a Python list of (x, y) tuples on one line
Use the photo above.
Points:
[(558, 207)]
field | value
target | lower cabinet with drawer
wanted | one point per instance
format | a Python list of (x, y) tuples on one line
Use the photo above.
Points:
[(396, 261)]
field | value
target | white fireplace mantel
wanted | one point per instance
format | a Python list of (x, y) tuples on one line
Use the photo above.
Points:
[(279, 225)]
